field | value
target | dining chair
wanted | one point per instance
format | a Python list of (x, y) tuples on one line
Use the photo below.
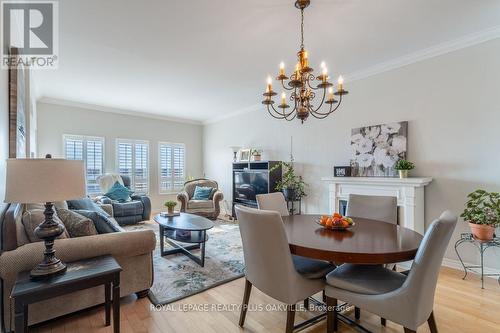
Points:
[(273, 201), (381, 208), (404, 299), (374, 207), (269, 265)]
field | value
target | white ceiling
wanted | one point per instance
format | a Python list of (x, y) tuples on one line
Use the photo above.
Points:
[(204, 59)]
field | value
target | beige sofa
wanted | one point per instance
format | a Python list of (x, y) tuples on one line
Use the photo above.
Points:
[(133, 251)]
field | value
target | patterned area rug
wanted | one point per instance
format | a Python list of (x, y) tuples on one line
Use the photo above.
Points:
[(177, 277)]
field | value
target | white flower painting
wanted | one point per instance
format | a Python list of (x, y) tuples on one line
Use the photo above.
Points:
[(377, 148)]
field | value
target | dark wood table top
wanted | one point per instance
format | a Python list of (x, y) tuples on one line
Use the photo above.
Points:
[(77, 271), (367, 242), (185, 221)]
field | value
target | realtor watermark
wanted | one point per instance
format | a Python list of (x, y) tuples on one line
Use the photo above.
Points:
[(29, 34), (211, 307)]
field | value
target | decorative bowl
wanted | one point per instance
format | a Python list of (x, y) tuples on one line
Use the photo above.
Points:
[(338, 228)]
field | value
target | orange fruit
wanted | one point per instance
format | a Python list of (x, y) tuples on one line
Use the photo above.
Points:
[(337, 215), (329, 222)]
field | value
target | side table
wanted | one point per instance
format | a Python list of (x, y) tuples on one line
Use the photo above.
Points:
[(80, 275), (482, 246)]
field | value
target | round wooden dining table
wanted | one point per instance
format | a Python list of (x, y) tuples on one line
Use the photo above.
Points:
[(367, 242)]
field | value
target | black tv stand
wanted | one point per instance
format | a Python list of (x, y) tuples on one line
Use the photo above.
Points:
[(252, 178)]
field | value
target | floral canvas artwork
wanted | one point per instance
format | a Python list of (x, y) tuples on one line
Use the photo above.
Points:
[(375, 149)]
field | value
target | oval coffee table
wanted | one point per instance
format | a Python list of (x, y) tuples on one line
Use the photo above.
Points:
[(184, 228)]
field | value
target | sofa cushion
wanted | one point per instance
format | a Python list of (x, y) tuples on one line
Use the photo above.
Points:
[(365, 279), (33, 218), (76, 224), (119, 193), (85, 204), (128, 208), (200, 204), (202, 193), (103, 222)]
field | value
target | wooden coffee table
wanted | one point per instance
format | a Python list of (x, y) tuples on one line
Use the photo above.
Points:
[(185, 228)]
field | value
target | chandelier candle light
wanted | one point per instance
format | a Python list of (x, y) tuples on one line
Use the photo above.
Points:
[(301, 85)]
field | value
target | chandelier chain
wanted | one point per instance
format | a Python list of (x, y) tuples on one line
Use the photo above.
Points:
[(302, 28)]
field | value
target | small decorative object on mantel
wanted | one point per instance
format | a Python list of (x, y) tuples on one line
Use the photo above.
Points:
[(256, 154), (376, 149), (404, 167), (235, 150), (482, 212), (170, 207), (244, 155), (342, 171)]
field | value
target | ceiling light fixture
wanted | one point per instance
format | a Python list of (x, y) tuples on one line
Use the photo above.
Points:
[(301, 86)]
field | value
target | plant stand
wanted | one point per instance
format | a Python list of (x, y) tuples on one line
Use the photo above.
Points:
[(294, 206), (481, 245)]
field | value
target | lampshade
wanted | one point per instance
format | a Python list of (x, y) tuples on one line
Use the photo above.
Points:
[(37, 180)]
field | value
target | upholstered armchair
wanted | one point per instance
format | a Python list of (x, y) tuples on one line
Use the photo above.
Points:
[(131, 212), (207, 208)]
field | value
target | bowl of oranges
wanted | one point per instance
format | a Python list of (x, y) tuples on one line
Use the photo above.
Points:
[(335, 222)]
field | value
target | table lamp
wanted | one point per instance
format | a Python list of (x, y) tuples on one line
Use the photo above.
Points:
[(45, 180)]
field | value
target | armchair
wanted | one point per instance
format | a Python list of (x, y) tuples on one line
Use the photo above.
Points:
[(207, 208), (125, 213)]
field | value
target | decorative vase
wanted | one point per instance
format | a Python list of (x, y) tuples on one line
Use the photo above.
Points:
[(481, 231), (403, 173), (170, 210)]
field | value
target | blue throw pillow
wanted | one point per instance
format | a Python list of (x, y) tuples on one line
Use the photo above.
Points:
[(104, 224), (202, 193), (85, 204), (119, 193)]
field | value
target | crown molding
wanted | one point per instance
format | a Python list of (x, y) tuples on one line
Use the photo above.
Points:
[(62, 102), (408, 59)]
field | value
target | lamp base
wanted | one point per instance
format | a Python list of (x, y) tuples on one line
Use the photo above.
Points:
[(48, 231)]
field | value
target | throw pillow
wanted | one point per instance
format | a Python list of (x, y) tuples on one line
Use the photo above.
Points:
[(85, 204), (103, 222), (76, 224), (32, 219), (119, 193), (202, 193)]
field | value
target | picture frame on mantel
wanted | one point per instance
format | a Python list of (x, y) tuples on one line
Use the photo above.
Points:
[(244, 155), (18, 125)]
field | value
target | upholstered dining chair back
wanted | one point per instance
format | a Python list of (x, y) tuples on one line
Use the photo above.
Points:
[(273, 201), (421, 283), (268, 261), (381, 208)]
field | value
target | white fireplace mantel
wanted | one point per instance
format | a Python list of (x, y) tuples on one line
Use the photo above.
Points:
[(408, 191)]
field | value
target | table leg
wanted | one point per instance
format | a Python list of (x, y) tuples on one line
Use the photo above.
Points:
[(107, 302), (482, 267), (162, 240), (116, 304), (202, 263), (21, 317)]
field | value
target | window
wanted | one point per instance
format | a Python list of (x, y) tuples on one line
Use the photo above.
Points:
[(90, 149), (172, 173), (132, 159)]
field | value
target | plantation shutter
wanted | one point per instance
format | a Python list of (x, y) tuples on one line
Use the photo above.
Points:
[(141, 184), (133, 161), (172, 166)]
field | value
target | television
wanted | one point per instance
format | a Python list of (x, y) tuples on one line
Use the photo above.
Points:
[(247, 184)]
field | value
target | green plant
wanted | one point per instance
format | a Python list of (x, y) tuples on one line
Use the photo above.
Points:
[(170, 204), (255, 152), (290, 180), (482, 208), (404, 165)]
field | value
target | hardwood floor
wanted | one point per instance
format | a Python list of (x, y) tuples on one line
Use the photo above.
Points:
[(460, 306)]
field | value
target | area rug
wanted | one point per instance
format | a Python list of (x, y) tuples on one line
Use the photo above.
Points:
[(177, 277)]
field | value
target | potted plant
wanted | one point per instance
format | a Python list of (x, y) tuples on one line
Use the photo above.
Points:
[(170, 206), (292, 186), (404, 166), (256, 154), (482, 212)]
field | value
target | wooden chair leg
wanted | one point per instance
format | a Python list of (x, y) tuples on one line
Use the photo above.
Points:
[(290, 318), (331, 315), (306, 304), (407, 330), (383, 322), (432, 323), (357, 313), (244, 305)]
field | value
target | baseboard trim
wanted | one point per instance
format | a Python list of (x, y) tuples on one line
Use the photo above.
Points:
[(455, 264)]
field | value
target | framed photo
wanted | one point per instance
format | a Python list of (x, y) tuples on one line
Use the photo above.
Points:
[(244, 155), (342, 171)]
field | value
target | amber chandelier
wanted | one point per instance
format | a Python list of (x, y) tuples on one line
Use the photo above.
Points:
[(301, 84)]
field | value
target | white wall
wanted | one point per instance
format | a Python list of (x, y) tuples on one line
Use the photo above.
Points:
[(56, 120), (451, 103)]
